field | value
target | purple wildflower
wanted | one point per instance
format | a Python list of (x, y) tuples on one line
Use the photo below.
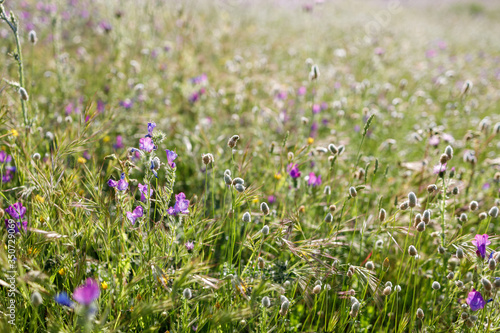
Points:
[(100, 106), (122, 185), (313, 180), (146, 144), (434, 140), (181, 204), (4, 158), (16, 225), (189, 246), (302, 91), (171, 211), (480, 242), (151, 127), (87, 293), (135, 214), (475, 300), (194, 97), (439, 168), (316, 108), (127, 103), (119, 142), (271, 199), (112, 183), (17, 211), (293, 170), (144, 191), (171, 156)]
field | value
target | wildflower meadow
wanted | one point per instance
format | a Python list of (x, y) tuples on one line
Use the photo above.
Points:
[(249, 166)]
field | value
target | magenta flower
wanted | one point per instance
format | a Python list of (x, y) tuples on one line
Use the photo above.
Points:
[(480, 242), (171, 156), (112, 183), (189, 246), (439, 168), (134, 215), (316, 108), (475, 300), (313, 180), (271, 199), (293, 170), (119, 142), (434, 140), (144, 192), (151, 127), (87, 293), (146, 144), (4, 158), (17, 211), (127, 104), (181, 204), (302, 91)]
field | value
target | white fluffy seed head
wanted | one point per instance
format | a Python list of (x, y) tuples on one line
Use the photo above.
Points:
[(266, 302), (370, 265), (436, 285)]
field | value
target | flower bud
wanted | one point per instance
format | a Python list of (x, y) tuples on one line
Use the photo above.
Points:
[(436, 285), (420, 313), (316, 290), (264, 208), (382, 215), (450, 276), (443, 160), (227, 179), (352, 192), (463, 217), (266, 302), (265, 230), (460, 253), (387, 291), (412, 199), (455, 191), (492, 264), (327, 190), (232, 141), (431, 188), (36, 156), (32, 37), (426, 217), (486, 284), (329, 218), (441, 250), (187, 293), (493, 212), (397, 288), (24, 94), (261, 262), (238, 180), (290, 156), (404, 205), (207, 158), (332, 208), (247, 217), (449, 152), (333, 149), (370, 265), (496, 283), (36, 299), (459, 284), (421, 226), (473, 205), (240, 188), (284, 307), (412, 251)]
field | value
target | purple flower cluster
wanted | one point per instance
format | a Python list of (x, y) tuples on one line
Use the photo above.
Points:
[(314, 180), (84, 294), (181, 205), (135, 214), (9, 170), (293, 170), (475, 300), (17, 212), (121, 185), (480, 242), (171, 156), (146, 144), (144, 192)]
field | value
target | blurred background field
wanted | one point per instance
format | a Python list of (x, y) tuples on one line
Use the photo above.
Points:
[(398, 82)]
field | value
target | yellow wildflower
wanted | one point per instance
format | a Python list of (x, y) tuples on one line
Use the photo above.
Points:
[(39, 198), (310, 141), (14, 132), (277, 176), (106, 139), (104, 285), (82, 160), (61, 271)]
